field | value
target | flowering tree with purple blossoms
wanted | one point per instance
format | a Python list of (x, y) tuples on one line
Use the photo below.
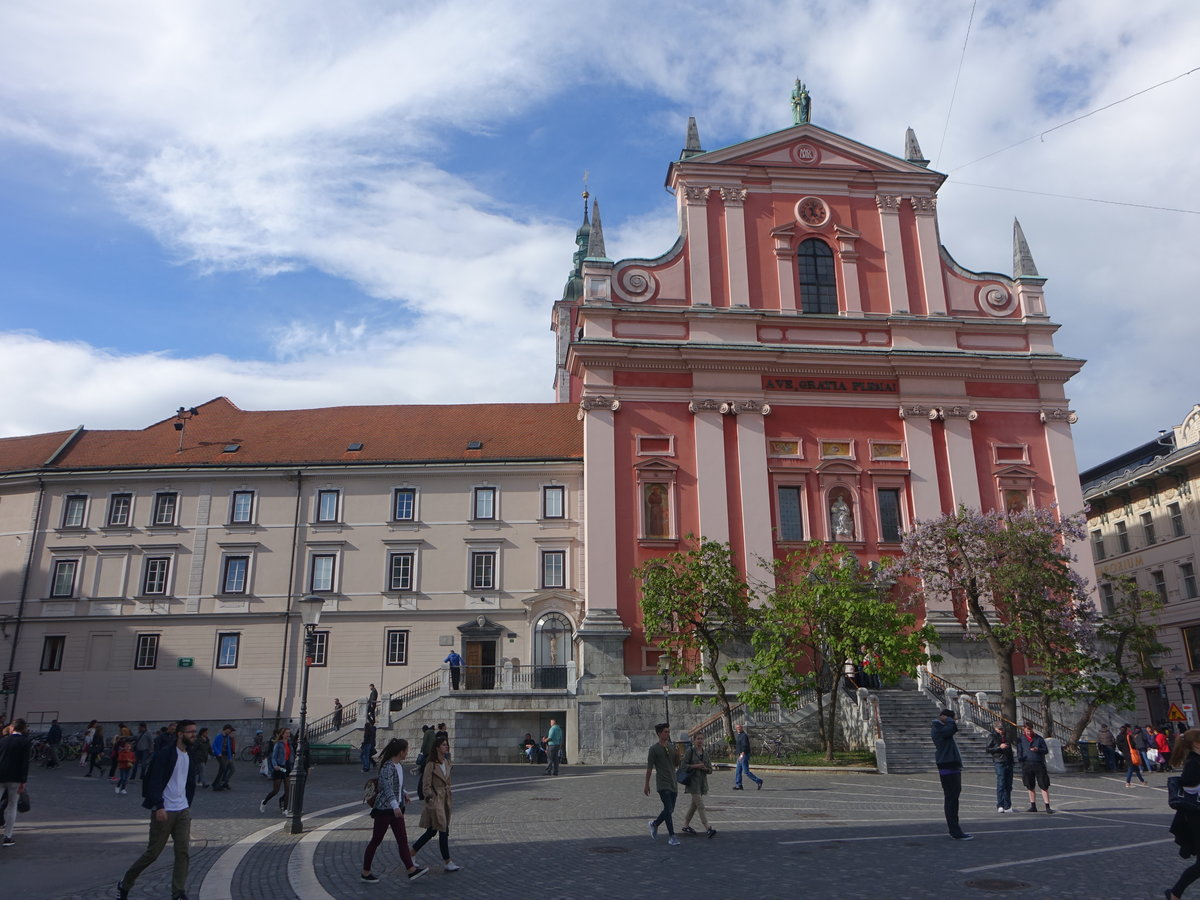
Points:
[(1010, 575)]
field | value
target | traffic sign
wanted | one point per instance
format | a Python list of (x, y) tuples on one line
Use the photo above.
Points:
[(1175, 714)]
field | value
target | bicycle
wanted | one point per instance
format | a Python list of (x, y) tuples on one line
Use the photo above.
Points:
[(773, 746)]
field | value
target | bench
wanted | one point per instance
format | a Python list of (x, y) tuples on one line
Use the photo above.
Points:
[(318, 753)]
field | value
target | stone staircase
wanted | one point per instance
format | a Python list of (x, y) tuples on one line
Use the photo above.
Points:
[(905, 717)]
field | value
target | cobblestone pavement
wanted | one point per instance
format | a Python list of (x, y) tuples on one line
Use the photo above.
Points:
[(583, 834)]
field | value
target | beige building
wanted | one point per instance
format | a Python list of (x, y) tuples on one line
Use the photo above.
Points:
[(1144, 524), (145, 573)]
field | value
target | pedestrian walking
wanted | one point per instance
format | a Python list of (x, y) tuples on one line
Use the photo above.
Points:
[(96, 752), (1031, 753), (387, 811), (372, 699), (1107, 742), (1133, 759), (224, 747), (367, 751), (337, 714), (143, 743), (280, 765), (1001, 751), (455, 662), (949, 766), (741, 742), (167, 791), (428, 739), (86, 748), (202, 750), (435, 813), (554, 740), (14, 772), (1142, 743), (122, 729), (661, 761), (124, 757), (1164, 750), (1185, 826), (699, 768)]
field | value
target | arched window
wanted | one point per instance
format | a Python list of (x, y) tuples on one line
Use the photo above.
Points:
[(553, 648), (818, 283)]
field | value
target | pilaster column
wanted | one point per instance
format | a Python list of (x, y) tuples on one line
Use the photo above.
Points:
[(848, 256), (755, 493), (893, 252), (960, 453), (734, 199), (930, 254), (918, 439), (711, 480), (696, 218), (599, 491), (1060, 447), (786, 263)]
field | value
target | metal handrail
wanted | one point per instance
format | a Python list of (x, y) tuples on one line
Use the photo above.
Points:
[(415, 690), (938, 685), (318, 728)]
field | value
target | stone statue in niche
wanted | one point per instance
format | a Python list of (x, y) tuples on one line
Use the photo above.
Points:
[(841, 519)]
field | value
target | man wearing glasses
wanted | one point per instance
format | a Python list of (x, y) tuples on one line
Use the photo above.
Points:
[(167, 791)]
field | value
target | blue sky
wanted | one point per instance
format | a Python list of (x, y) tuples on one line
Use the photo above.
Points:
[(296, 205)]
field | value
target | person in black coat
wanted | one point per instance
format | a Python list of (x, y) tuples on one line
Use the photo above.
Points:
[(949, 766), (167, 791), (1186, 824), (14, 772), (999, 747)]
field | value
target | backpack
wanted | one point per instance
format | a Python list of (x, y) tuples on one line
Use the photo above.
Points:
[(370, 791)]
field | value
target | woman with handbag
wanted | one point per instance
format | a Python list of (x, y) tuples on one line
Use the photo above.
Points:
[(1133, 758), (387, 810), (698, 767), (1186, 824), (281, 767), (435, 814), (96, 752)]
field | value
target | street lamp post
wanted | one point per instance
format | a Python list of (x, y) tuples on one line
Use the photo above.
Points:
[(666, 695), (310, 615), (1177, 673)]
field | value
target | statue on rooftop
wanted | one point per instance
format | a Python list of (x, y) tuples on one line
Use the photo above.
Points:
[(801, 104)]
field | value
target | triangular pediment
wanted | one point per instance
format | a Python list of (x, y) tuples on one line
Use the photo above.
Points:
[(808, 147)]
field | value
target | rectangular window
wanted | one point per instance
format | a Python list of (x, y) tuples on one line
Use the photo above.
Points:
[(327, 505), (241, 508), (1122, 538), (320, 654), (63, 584), (321, 576), (554, 502), (52, 652), (400, 572), (554, 568), (146, 654), (165, 506), (396, 651), (791, 518), (1187, 580), (1176, 514), (1106, 597), (154, 577), (484, 506), (1098, 544), (483, 571), (227, 650), (1148, 528), (1191, 643), (73, 509), (889, 515), (404, 504), (120, 509), (233, 578), (1160, 584)]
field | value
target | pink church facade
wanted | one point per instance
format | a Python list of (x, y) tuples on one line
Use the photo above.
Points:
[(807, 362)]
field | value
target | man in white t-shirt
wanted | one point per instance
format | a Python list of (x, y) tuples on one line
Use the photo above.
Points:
[(167, 791)]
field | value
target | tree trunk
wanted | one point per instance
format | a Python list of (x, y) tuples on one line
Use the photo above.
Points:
[(722, 698), (1047, 718), (821, 715), (831, 729), (1084, 718), (1002, 654)]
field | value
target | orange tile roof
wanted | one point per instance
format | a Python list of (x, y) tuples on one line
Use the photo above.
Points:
[(18, 454), (507, 431)]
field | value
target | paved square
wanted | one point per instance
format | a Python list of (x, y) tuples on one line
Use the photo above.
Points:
[(583, 834)]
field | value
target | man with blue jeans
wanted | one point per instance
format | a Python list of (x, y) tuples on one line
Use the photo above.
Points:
[(662, 761), (554, 739), (742, 745), (367, 752), (1001, 752)]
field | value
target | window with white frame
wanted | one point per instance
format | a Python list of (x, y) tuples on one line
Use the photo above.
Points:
[(1160, 584), (154, 575), (1148, 528), (1176, 514), (482, 574), (483, 503), (396, 648), (120, 510), (1106, 597), (321, 572), (791, 512), (327, 505), (1098, 544), (891, 521), (62, 582), (554, 568), (241, 508), (404, 504), (53, 646), (1187, 580), (166, 508), (228, 644), (74, 511), (554, 501), (235, 572), (1122, 538), (145, 654), (400, 571), (320, 649)]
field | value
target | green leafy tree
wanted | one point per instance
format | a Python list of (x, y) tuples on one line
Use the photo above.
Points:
[(826, 609), (1011, 574), (695, 602)]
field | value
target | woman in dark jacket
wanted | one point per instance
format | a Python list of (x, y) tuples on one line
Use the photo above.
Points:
[(96, 752), (201, 751), (1186, 824), (1133, 757)]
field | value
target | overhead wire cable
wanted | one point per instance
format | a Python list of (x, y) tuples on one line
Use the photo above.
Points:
[(1042, 134), (995, 187), (954, 92)]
